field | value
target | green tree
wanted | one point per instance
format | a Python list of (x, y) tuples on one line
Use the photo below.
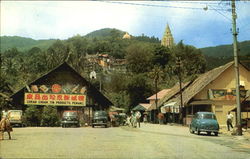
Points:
[(138, 89), (32, 116), (49, 116), (192, 62), (9, 63), (161, 56), (120, 99), (34, 50), (57, 53), (139, 57)]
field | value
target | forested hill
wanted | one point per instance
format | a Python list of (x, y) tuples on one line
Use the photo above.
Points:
[(22, 43), (227, 50), (115, 33), (25, 44), (105, 32)]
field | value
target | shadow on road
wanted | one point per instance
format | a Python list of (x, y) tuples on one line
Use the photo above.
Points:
[(195, 136)]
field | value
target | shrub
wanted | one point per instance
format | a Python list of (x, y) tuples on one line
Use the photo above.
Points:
[(32, 116), (49, 116)]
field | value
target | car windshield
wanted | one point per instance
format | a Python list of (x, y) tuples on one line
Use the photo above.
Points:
[(69, 114), (15, 113), (207, 116)]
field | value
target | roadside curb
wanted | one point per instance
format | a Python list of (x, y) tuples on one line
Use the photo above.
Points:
[(245, 135)]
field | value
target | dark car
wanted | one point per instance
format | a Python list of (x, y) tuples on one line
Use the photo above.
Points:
[(70, 118), (100, 118), (204, 122)]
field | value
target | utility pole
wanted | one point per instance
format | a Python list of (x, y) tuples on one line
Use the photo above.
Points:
[(236, 67), (156, 99), (156, 91), (178, 64)]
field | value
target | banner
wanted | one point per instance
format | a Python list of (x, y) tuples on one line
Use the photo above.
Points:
[(55, 99), (225, 94)]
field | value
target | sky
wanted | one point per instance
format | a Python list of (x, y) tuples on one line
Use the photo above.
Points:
[(188, 20)]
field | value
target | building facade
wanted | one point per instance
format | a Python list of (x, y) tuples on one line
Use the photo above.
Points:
[(213, 91), (65, 89)]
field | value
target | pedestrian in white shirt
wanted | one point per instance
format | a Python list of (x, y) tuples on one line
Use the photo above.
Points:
[(229, 120)]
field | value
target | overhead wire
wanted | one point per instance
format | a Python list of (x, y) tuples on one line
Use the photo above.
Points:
[(192, 2), (220, 13), (155, 5)]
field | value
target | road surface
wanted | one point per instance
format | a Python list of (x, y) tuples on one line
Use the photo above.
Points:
[(150, 141)]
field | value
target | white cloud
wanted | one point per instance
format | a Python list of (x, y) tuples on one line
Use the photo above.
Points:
[(63, 19)]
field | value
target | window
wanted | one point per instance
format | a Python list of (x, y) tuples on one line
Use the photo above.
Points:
[(208, 116)]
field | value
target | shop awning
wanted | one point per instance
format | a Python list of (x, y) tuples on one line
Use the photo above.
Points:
[(139, 108), (170, 107), (113, 108)]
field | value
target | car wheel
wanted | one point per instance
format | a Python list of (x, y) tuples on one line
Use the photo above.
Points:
[(198, 132), (209, 133), (190, 130), (93, 126), (216, 133)]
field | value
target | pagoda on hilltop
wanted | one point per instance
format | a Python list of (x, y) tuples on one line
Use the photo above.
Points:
[(126, 36), (167, 39)]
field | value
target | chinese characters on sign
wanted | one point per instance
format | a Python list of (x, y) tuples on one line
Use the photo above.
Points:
[(55, 99)]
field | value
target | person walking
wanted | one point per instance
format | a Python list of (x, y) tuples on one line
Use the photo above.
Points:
[(128, 121), (229, 120), (160, 117), (133, 119), (5, 125), (4, 114), (138, 118)]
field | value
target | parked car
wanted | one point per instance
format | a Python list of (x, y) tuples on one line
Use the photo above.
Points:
[(100, 118), (204, 122), (16, 117), (70, 118)]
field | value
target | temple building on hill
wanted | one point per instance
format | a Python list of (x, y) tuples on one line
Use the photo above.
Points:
[(126, 36), (167, 39)]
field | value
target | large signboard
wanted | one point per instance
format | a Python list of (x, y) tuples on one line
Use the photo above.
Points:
[(216, 94), (55, 99)]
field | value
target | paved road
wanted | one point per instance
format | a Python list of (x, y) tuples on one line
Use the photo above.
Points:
[(149, 141)]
